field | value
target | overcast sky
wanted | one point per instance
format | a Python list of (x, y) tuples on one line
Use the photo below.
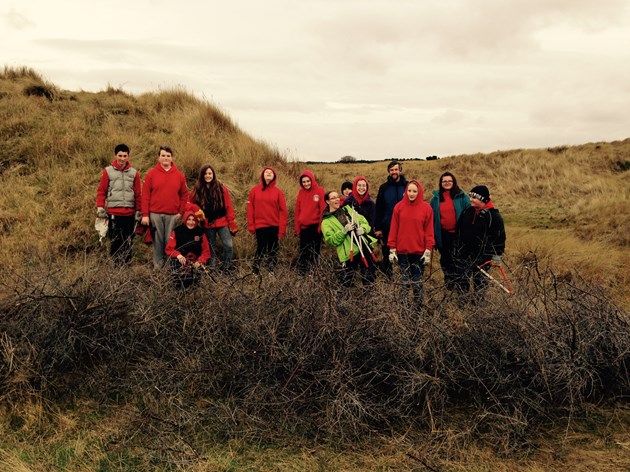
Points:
[(321, 79)]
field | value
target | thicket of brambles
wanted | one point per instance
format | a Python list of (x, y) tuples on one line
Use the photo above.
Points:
[(259, 358)]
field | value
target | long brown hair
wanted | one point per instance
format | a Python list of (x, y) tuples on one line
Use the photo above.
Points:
[(454, 189), (208, 195)]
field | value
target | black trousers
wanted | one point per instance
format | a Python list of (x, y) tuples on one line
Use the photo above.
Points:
[(120, 230), (446, 259), (267, 247), (350, 268), (310, 248), (467, 270)]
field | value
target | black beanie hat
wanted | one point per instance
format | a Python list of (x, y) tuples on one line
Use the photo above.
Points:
[(346, 185), (480, 192)]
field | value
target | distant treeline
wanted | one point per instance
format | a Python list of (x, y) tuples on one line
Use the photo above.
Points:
[(353, 160)]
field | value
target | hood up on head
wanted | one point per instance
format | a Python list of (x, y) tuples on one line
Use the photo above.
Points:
[(262, 178), (310, 175), (188, 213), (355, 194), (420, 196)]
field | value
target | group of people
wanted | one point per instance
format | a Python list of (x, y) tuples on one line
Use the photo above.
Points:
[(157, 205), (466, 229)]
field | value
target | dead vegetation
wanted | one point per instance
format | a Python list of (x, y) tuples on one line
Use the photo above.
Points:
[(257, 360)]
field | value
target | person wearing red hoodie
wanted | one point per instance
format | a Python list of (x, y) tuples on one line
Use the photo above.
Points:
[(188, 250), (213, 197), (480, 237), (411, 237), (118, 200), (164, 199), (267, 218), (309, 208)]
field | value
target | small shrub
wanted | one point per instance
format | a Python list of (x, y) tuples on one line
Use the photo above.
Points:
[(40, 90), (557, 149)]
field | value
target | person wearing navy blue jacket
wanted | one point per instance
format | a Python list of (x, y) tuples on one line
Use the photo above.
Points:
[(389, 194)]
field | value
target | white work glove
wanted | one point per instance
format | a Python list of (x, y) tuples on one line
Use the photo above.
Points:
[(427, 257), (101, 213), (360, 231), (393, 257), (496, 259), (349, 227)]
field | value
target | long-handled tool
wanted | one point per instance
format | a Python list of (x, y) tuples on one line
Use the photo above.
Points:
[(359, 245), (351, 238), (507, 287), (366, 243)]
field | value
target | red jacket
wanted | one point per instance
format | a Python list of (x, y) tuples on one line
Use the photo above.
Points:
[(194, 240), (229, 219), (164, 192), (411, 230), (267, 206), (103, 190), (309, 205)]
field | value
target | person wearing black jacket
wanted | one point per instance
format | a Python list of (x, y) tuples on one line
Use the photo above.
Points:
[(389, 194), (480, 238)]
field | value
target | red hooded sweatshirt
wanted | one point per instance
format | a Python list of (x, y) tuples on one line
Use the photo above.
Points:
[(186, 241), (164, 191), (411, 231), (266, 206), (309, 205), (103, 190), (228, 220)]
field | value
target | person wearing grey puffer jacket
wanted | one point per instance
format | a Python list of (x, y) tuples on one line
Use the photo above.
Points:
[(118, 200)]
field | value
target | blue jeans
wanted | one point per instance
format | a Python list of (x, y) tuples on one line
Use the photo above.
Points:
[(226, 241), (411, 268)]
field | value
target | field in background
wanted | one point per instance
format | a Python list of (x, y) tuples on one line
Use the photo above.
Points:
[(566, 207)]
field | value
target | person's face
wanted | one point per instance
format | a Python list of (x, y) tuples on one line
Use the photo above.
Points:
[(333, 201), (476, 203), (394, 172), (361, 187), (412, 192), (208, 175), (190, 222), (268, 175), (347, 191), (165, 159), (447, 182), (306, 183), (122, 158)]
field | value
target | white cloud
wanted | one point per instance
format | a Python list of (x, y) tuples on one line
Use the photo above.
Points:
[(16, 20)]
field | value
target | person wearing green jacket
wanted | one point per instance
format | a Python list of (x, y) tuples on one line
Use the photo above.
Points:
[(348, 231)]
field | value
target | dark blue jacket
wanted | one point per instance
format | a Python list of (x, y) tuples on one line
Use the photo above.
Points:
[(389, 194)]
